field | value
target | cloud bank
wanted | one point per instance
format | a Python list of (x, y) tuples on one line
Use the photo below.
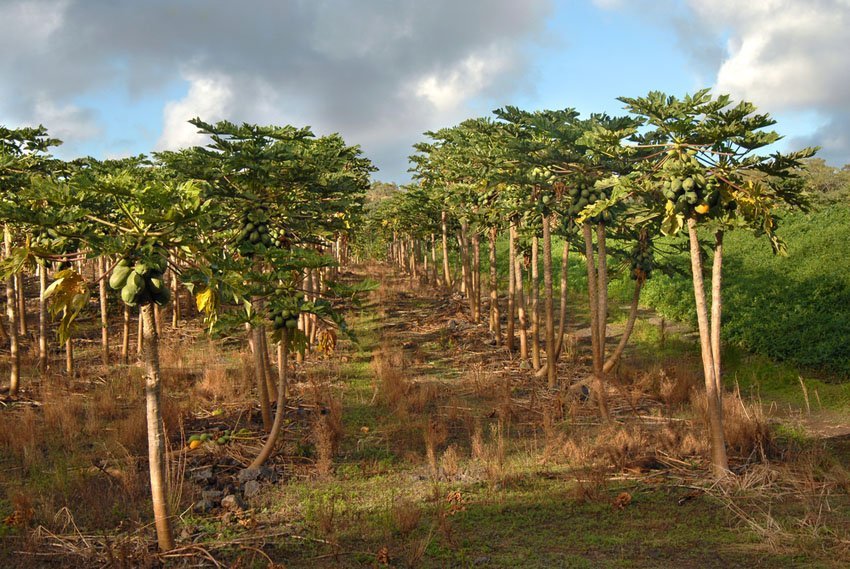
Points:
[(379, 72)]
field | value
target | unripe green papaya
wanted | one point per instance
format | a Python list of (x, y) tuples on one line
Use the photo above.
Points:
[(155, 282), (292, 323), (128, 294), (119, 276)]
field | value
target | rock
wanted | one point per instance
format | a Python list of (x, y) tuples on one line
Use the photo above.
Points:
[(248, 474), (481, 560), (212, 496), (233, 503), (202, 475), (268, 473), (251, 488), (202, 506)]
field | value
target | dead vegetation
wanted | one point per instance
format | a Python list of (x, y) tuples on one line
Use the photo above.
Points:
[(446, 409)]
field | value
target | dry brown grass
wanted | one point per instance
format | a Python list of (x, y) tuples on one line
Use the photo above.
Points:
[(406, 516), (490, 452), (744, 425), (435, 434), (20, 436), (391, 386)]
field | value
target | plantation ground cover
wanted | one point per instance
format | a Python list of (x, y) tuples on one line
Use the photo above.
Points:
[(436, 450)]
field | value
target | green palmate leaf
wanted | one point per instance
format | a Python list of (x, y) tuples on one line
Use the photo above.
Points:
[(20, 258)]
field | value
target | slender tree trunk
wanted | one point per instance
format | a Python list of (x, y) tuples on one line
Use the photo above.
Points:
[(602, 284), (716, 309), (495, 322), (42, 319), (447, 274), (281, 369), (562, 314), (270, 382), (463, 241), (11, 316), (523, 324), (511, 286), (260, 372), (175, 304), (551, 357), (268, 447), (434, 270), (593, 294), (719, 460), (157, 318), (22, 304), (125, 337), (156, 431), (535, 302), (630, 324), (476, 277), (139, 335), (104, 309), (69, 357)]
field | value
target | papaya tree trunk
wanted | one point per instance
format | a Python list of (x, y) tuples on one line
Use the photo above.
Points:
[(719, 460), (562, 313), (268, 447), (593, 294), (602, 287), (495, 322), (511, 286), (716, 309), (523, 324), (551, 358), (535, 303), (260, 372), (463, 241), (156, 431), (125, 337), (434, 270), (11, 316), (270, 382), (22, 304), (139, 335), (42, 319), (630, 325), (476, 277), (69, 357), (175, 304), (447, 274), (104, 309)]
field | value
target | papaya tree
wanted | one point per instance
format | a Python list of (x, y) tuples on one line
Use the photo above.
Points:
[(704, 161), (22, 156)]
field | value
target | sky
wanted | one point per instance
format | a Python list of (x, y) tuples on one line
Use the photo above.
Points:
[(114, 78)]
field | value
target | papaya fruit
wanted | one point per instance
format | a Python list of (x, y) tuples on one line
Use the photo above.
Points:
[(155, 283), (292, 323), (195, 437), (128, 294), (119, 277), (195, 444)]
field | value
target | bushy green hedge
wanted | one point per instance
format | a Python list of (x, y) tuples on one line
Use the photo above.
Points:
[(794, 308)]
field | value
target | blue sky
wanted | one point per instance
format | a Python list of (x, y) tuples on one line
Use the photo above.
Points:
[(120, 78)]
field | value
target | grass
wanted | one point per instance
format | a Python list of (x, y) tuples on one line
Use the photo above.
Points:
[(450, 456)]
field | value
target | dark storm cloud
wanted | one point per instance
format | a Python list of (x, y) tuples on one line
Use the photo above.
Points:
[(353, 66)]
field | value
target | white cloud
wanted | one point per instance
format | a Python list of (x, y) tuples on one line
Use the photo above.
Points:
[(66, 122), (447, 91), (209, 97), (784, 54)]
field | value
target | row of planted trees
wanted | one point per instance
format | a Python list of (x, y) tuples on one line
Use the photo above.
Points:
[(254, 225), (609, 188)]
